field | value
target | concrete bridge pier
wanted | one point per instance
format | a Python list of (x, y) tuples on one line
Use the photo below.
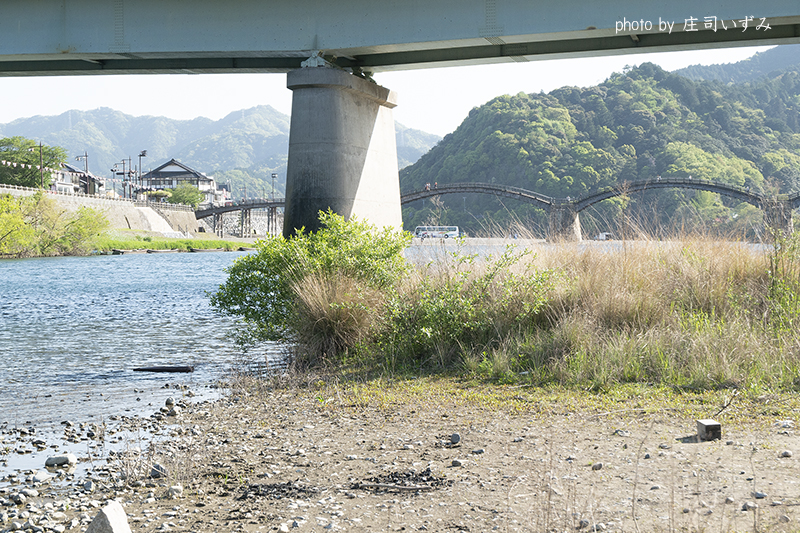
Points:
[(565, 225), (245, 224), (342, 150), (216, 225), (778, 218)]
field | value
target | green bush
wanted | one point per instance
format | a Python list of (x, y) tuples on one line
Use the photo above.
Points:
[(309, 289), (463, 307)]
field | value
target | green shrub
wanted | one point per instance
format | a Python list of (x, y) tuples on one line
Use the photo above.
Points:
[(468, 305), (309, 289)]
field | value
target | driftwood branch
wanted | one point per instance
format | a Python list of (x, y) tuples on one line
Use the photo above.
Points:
[(390, 486)]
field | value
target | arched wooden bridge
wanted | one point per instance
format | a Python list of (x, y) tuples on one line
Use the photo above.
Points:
[(564, 211)]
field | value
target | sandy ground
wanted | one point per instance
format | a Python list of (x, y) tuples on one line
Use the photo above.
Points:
[(296, 460), (305, 463)]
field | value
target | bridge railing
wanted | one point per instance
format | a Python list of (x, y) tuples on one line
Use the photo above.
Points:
[(136, 203)]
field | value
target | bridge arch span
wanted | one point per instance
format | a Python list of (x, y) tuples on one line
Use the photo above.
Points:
[(739, 193), (482, 188)]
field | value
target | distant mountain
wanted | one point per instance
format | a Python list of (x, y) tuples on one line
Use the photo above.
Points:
[(245, 147), (761, 64)]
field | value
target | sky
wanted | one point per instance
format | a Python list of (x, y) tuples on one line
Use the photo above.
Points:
[(435, 100)]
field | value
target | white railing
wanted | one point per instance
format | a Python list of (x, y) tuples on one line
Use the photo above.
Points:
[(137, 203)]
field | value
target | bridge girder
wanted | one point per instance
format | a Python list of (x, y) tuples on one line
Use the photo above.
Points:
[(738, 193), (515, 193), (59, 37), (203, 213)]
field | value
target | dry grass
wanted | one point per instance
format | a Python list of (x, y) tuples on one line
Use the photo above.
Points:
[(695, 313), (336, 313)]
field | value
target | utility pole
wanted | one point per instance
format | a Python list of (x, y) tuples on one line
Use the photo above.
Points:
[(41, 166), (142, 154)]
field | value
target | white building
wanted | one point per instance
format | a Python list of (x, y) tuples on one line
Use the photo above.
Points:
[(173, 173)]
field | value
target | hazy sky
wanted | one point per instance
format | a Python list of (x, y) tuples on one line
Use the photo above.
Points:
[(432, 100)]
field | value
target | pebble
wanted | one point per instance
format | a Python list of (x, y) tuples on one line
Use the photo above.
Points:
[(61, 460), (597, 466), (158, 471), (729, 500), (759, 495), (455, 438), (41, 476), (786, 453), (749, 506), (457, 462), (478, 451)]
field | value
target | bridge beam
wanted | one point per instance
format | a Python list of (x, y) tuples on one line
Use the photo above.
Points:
[(342, 150), (778, 218), (565, 224)]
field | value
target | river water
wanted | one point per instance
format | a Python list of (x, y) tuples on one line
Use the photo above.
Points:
[(72, 329)]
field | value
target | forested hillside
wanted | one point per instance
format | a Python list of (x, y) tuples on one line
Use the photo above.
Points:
[(761, 64), (638, 124)]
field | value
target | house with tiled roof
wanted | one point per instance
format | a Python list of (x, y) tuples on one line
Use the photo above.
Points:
[(173, 173)]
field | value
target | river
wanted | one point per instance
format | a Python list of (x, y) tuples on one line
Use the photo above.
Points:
[(72, 329)]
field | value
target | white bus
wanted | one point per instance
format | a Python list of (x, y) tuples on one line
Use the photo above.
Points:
[(439, 232)]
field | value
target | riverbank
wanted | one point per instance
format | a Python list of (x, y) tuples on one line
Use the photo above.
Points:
[(322, 454)]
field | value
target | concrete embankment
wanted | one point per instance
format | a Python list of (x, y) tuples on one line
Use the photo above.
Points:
[(122, 213)]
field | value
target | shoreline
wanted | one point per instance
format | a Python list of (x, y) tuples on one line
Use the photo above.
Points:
[(382, 457)]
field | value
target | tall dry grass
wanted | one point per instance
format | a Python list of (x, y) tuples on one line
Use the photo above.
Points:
[(336, 313), (694, 313)]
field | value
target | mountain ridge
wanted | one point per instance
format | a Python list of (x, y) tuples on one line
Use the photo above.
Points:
[(244, 147)]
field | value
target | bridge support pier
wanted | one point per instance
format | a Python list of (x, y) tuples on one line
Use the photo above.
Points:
[(565, 225), (342, 150), (778, 218), (245, 225), (217, 225)]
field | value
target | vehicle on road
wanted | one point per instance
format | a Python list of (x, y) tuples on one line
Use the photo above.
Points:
[(436, 232)]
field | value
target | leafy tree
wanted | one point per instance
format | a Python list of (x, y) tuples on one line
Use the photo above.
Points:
[(23, 156), (37, 226), (187, 194)]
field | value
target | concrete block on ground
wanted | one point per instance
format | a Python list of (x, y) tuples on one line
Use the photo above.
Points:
[(708, 429), (110, 519)]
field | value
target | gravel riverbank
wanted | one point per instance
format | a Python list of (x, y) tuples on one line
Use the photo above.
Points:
[(313, 459)]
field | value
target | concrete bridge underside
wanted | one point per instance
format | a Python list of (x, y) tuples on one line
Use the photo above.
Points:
[(162, 36), (346, 164)]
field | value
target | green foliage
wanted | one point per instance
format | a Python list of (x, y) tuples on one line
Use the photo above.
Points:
[(35, 226), (25, 153), (263, 289), (108, 242), (784, 283), (466, 304), (186, 194)]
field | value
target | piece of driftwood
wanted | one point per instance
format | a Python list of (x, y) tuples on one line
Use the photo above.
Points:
[(164, 369), (391, 486)]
